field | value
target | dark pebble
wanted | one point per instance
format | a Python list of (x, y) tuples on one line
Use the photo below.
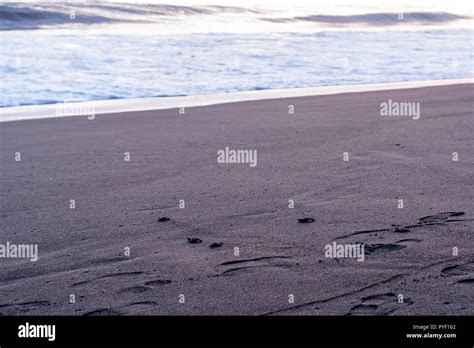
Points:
[(163, 219), (306, 220), (194, 240), (215, 245)]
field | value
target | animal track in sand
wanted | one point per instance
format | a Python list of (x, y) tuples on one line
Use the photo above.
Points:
[(440, 217), (339, 296), (437, 219)]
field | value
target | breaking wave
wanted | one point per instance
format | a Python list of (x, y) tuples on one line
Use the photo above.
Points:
[(37, 16)]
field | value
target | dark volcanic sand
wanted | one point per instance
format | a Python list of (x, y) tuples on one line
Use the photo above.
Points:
[(173, 157)]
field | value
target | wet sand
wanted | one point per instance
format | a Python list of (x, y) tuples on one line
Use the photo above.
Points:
[(173, 157)]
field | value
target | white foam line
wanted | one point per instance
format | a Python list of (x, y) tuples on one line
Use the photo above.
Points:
[(142, 104)]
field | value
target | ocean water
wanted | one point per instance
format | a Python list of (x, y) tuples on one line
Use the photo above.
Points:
[(54, 53)]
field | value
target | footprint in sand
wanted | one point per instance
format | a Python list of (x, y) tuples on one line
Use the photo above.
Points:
[(466, 281), (143, 303), (400, 229), (375, 248), (464, 270), (120, 274), (158, 282), (437, 219), (233, 262), (363, 309), (440, 217), (138, 289), (103, 311), (379, 304), (21, 307), (409, 240), (252, 263), (134, 290), (306, 220), (380, 298), (459, 270)]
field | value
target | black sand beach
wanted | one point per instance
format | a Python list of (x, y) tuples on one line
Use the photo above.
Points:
[(118, 204)]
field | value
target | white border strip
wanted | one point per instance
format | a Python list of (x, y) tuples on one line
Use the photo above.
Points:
[(141, 104)]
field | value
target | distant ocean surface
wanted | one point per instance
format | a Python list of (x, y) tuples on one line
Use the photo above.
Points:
[(54, 53)]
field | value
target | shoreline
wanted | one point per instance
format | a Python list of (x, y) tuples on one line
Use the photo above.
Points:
[(110, 106)]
